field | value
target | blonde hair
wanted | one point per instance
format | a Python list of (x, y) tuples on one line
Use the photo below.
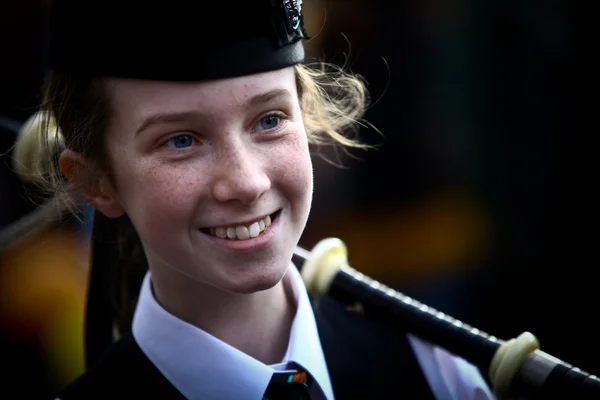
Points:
[(334, 103)]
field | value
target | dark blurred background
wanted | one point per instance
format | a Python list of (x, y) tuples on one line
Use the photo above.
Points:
[(478, 201)]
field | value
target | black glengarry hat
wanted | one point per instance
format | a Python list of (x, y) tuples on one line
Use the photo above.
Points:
[(175, 39)]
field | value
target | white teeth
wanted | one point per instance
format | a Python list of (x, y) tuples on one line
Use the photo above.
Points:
[(221, 233), (254, 230), (241, 232), (231, 233)]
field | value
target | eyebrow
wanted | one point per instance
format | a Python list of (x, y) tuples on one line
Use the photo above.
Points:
[(266, 97), (171, 117)]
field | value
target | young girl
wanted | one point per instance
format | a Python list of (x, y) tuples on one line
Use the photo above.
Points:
[(190, 129)]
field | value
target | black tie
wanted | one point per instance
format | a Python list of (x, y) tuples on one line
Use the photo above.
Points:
[(289, 386)]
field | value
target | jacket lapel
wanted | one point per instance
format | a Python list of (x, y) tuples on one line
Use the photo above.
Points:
[(367, 359)]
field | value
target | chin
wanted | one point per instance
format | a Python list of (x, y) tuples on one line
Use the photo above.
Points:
[(254, 282)]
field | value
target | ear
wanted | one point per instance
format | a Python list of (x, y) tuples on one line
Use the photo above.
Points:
[(93, 184)]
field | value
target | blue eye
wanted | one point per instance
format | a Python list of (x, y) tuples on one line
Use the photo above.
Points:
[(181, 141), (269, 122)]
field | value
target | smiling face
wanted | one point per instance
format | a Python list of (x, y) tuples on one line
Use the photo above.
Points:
[(215, 176)]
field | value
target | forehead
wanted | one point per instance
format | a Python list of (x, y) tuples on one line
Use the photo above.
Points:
[(137, 99)]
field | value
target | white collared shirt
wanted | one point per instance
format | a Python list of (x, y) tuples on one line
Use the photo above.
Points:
[(201, 366)]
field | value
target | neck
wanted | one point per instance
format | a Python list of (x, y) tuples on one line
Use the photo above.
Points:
[(257, 324)]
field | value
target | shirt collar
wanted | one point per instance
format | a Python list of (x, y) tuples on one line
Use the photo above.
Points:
[(305, 347), (201, 366)]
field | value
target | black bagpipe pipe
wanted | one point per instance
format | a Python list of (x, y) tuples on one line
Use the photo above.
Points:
[(516, 368)]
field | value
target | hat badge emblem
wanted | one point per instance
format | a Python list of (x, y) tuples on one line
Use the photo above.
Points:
[(293, 11)]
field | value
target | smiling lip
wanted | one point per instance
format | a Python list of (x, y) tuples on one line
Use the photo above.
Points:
[(256, 243)]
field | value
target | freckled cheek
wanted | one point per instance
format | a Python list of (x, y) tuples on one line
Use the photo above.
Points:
[(293, 172), (164, 196)]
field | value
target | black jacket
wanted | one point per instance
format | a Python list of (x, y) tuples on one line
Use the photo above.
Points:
[(365, 359)]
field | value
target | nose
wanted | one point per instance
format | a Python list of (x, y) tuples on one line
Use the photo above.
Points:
[(240, 176)]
